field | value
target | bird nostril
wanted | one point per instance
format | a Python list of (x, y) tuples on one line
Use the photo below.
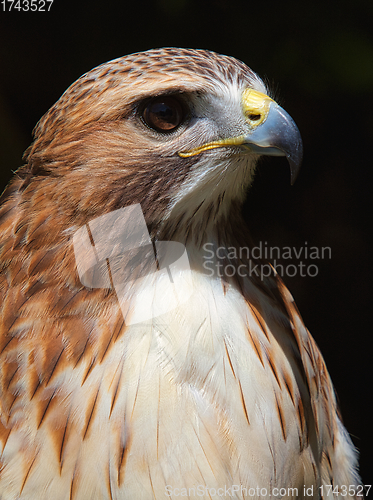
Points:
[(254, 116)]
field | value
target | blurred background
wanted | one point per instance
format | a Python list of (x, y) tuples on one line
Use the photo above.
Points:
[(318, 60)]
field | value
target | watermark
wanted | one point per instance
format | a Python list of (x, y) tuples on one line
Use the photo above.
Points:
[(26, 5), (248, 262), (325, 491), (225, 491), (116, 251), (150, 278)]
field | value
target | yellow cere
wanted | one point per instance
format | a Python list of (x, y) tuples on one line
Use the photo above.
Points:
[(255, 106)]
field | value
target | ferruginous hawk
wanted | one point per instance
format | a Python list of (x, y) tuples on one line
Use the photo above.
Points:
[(130, 369)]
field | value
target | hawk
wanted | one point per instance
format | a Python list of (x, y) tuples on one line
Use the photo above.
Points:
[(129, 369)]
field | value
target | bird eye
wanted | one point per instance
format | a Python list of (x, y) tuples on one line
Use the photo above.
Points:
[(163, 114)]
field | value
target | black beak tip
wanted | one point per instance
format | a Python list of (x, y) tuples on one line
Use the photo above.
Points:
[(295, 162)]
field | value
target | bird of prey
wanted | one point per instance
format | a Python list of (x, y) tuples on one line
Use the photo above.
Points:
[(129, 369)]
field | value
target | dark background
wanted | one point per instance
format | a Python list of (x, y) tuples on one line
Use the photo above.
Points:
[(319, 60)]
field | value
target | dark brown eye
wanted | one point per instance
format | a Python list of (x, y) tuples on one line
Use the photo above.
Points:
[(163, 114)]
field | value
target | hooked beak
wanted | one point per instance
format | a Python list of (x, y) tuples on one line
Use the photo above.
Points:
[(272, 132)]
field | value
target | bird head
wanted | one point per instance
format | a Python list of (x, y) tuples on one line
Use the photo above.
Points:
[(177, 130)]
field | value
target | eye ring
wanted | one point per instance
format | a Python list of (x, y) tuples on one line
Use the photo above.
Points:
[(163, 114)]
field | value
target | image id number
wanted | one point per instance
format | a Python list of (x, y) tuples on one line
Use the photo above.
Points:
[(27, 5)]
